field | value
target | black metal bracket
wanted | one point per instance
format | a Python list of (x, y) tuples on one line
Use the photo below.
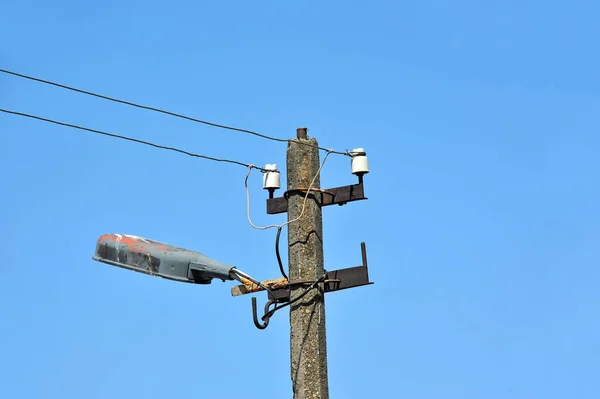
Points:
[(265, 318), (335, 280), (330, 196)]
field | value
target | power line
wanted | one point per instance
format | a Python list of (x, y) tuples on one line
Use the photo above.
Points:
[(118, 136), (189, 118)]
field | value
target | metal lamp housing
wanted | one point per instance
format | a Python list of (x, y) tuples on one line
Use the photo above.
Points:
[(159, 259)]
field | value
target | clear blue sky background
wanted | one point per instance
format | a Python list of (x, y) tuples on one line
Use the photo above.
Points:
[(481, 121)]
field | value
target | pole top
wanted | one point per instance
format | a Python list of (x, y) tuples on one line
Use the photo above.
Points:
[(301, 133)]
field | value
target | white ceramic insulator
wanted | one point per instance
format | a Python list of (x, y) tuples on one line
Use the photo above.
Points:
[(360, 163), (271, 178)]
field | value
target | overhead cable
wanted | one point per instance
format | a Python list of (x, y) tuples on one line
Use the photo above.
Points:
[(162, 111), (118, 136)]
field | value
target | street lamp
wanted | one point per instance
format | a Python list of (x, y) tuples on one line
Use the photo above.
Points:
[(167, 261), (163, 260)]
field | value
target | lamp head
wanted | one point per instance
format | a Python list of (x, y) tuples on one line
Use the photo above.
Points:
[(158, 259)]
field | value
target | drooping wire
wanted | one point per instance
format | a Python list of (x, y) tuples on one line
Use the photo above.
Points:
[(310, 188), (118, 136), (279, 262), (162, 111), (281, 226), (250, 167)]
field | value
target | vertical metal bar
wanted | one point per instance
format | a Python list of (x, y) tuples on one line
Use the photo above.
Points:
[(363, 249)]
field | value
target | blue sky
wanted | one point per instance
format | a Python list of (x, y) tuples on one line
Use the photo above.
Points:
[(481, 124)]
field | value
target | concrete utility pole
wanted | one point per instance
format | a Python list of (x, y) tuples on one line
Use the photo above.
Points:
[(308, 346), (304, 290)]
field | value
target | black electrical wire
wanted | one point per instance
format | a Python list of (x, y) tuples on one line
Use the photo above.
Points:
[(270, 313), (278, 255), (118, 136), (162, 111)]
